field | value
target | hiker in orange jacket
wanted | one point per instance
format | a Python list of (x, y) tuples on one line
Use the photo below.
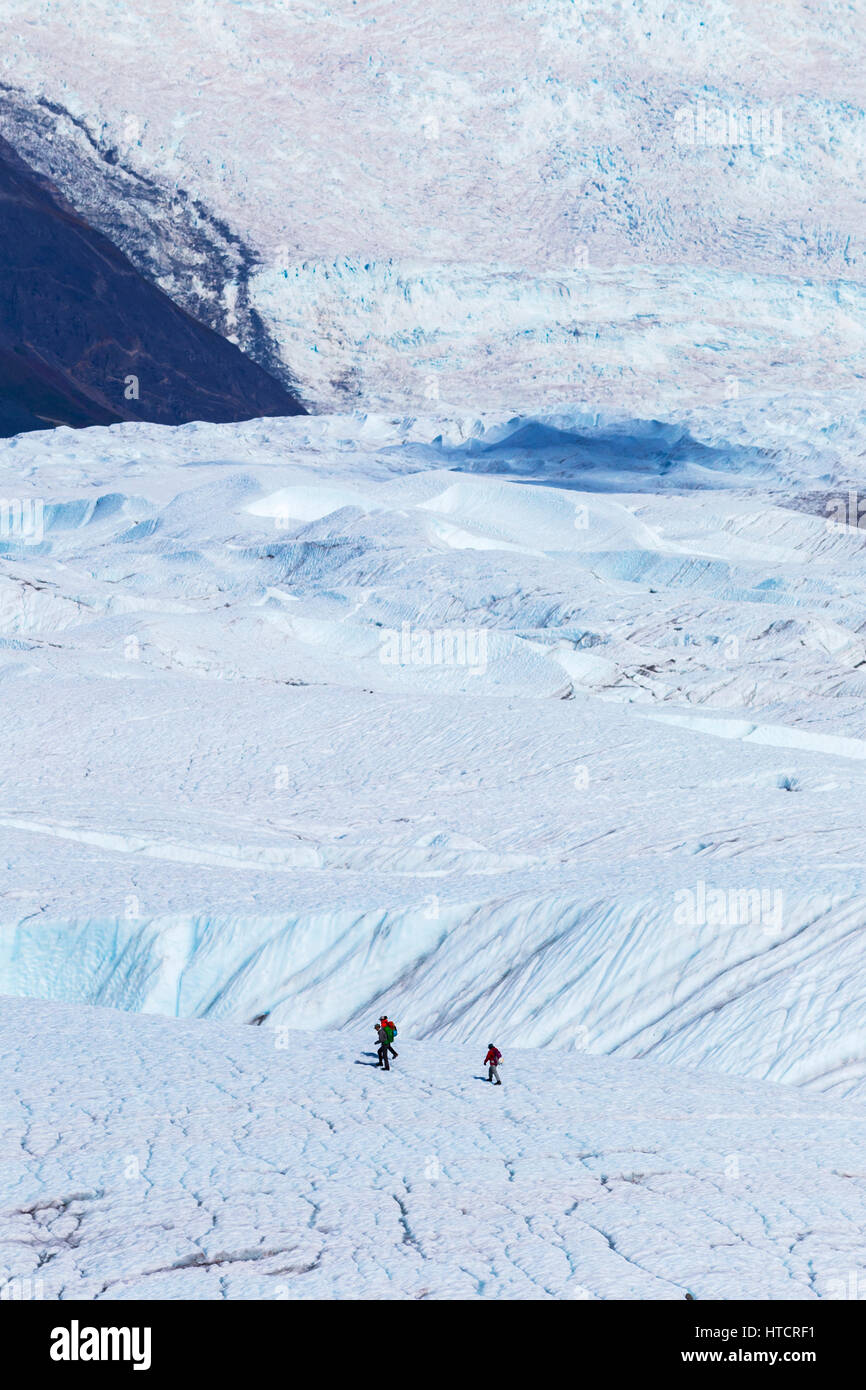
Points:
[(390, 1033)]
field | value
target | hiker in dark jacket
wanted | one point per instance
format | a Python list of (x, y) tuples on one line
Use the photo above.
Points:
[(382, 1039), (491, 1061), (390, 1032)]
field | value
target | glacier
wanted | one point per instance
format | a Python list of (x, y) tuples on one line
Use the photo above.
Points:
[(515, 688), (234, 1163), (292, 786), (363, 204)]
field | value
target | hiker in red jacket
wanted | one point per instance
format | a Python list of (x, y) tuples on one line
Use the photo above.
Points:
[(491, 1061)]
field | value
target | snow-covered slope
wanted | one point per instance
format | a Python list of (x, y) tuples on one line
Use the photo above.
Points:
[(161, 1159), (501, 205), (526, 701), (551, 726)]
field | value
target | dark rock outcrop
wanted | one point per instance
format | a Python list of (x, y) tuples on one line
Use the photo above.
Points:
[(86, 340)]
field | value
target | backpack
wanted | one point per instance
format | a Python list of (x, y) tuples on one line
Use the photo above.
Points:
[(393, 1028)]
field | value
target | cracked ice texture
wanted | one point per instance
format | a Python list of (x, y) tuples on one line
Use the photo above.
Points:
[(223, 1166)]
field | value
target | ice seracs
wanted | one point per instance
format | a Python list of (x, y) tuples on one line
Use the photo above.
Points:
[(540, 784)]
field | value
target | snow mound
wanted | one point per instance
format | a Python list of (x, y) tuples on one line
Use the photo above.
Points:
[(302, 711)]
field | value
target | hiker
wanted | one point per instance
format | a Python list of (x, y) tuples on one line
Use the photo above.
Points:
[(492, 1061), (382, 1051), (391, 1033)]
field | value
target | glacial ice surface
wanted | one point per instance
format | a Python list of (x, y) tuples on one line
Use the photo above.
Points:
[(166, 1159), (304, 712)]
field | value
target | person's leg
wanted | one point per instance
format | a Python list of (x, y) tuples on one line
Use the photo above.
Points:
[(497, 1082), (383, 1058), (391, 1049)]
